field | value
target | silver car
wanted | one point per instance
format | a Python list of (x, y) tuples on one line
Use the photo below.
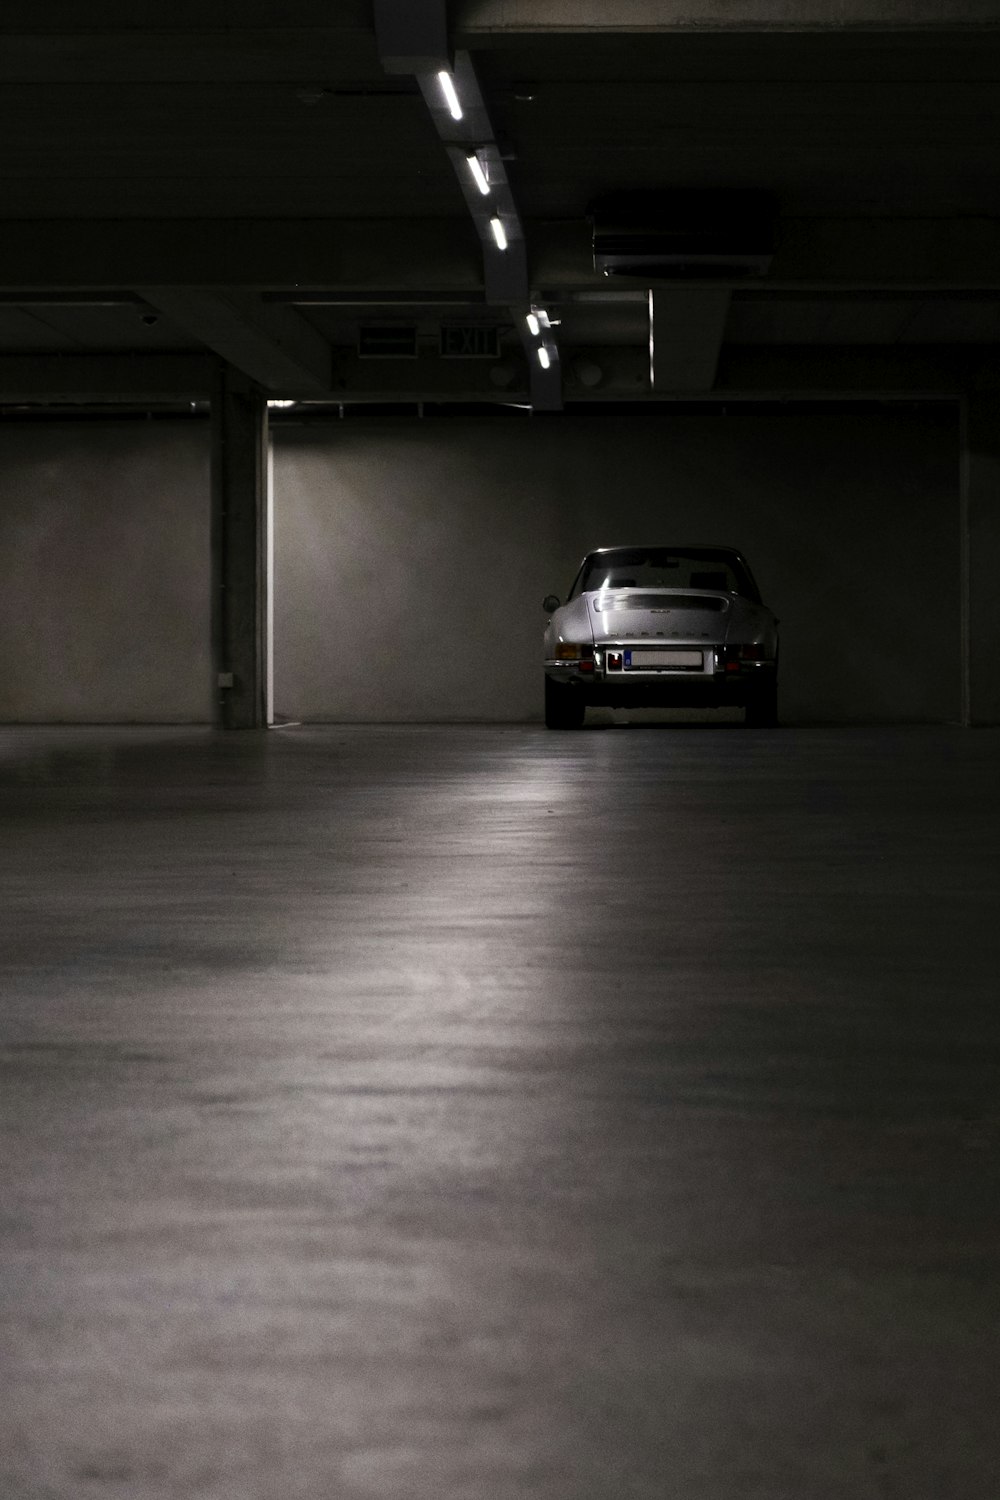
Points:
[(661, 626)]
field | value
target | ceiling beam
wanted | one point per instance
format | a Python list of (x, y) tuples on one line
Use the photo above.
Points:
[(475, 22), (428, 378), (387, 254), (589, 374), (459, 113), (621, 373), (273, 345), (444, 255), (106, 377), (505, 268), (795, 373), (948, 370)]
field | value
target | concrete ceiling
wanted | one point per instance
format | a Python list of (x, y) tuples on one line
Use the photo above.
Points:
[(247, 180)]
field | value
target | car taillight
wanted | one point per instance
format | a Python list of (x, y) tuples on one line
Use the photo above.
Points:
[(734, 656)]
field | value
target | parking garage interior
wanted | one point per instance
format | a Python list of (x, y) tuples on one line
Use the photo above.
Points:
[(400, 1099)]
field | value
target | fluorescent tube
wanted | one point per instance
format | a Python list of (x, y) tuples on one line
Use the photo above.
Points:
[(450, 97), (476, 168)]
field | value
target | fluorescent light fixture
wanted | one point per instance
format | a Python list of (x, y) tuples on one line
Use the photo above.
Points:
[(543, 357), (478, 172), (499, 234), (281, 403), (450, 96), (534, 327)]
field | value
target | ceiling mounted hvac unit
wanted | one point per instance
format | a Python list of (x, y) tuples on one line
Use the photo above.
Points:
[(715, 235)]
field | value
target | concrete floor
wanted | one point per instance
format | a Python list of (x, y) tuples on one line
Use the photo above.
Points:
[(478, 1113)]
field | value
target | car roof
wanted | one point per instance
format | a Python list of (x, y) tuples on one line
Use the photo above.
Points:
[(665, 547)]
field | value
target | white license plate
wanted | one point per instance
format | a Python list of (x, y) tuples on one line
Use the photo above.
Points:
[(636, 660)]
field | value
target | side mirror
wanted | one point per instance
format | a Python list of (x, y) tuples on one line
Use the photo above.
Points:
[(550, 603)]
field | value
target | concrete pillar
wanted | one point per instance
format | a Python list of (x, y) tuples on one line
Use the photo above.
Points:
[(239, 550), (980, 519)]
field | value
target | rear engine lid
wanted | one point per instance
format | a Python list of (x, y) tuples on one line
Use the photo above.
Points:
[(662, 617), (662, 602)]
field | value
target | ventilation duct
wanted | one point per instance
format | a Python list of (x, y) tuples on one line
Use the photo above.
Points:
[(722, 235)]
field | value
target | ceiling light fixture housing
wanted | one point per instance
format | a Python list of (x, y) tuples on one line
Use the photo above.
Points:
[(538, 320)]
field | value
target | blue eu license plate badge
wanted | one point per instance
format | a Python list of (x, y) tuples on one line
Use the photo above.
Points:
[(628, 660)]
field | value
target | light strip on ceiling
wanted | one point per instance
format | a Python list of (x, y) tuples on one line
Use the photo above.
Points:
[(479, 173), (499, 233), (450, 96)]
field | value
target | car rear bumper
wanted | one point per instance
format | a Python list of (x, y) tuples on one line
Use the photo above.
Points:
[(720, 687)]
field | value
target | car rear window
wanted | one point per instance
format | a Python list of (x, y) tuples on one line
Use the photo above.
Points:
[(663, 567)]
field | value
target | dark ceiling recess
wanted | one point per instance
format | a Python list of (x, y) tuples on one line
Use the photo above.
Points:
[(379, 341), (684, 233)]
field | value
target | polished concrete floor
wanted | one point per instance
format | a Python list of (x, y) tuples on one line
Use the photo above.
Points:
[(485, 1114)]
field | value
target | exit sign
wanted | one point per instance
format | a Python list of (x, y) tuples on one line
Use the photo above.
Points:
[(462, 341)]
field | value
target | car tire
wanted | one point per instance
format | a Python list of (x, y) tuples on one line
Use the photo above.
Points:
[(564, 706), (762, 707)]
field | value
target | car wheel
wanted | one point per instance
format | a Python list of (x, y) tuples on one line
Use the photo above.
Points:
[(762, 707), (564, 706)]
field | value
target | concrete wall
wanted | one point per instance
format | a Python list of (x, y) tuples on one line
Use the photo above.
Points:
[(981, 487), (412, 556), (104, 572)]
